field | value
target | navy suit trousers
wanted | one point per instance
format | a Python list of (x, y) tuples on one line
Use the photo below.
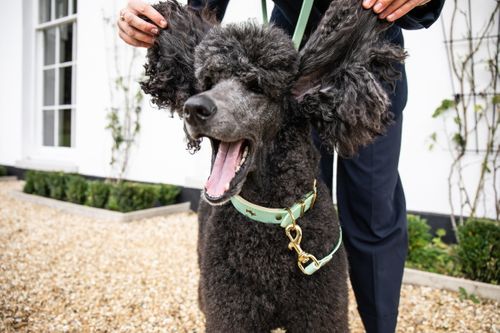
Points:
[(372, 213)]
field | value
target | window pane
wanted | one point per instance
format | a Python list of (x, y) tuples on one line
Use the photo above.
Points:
[(65, 85), (61, 8), (65, 128), (44, 10), (48, 128), (48, 86), (49, 46), (66, 43), (75, 6)]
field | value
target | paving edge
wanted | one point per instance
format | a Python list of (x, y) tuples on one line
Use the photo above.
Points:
[(439, 281), (99, 213), (8, 178)]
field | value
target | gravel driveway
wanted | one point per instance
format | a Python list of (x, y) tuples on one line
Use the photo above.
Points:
[(65, 273)]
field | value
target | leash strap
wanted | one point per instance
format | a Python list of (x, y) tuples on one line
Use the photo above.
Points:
[(300, 28), (313, 267), (264, 12)]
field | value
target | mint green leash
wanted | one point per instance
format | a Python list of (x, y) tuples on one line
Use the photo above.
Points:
[(300, 28), (264, 12), (286, 218)]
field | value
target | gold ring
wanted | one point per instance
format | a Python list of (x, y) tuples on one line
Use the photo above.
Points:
[(122, 16)]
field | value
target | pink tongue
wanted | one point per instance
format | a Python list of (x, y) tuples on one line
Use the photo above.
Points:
[(224, 168)]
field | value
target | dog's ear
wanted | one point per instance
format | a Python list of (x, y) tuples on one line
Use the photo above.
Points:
[(341, 68), (169, 69)]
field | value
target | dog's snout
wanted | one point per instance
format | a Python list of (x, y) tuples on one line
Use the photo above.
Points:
[(199, 107)]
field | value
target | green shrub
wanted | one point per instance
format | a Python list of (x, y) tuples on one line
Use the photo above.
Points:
[(75, 189), (419, 235), (29, 182), (97, 194), (428, 253), (479, 250), (168, 194), (56, 182), (126, 196), (3, 171), (36, 183), (123, 197)]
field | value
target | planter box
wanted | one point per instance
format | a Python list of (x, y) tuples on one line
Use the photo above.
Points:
[(8, 178), (99, 213), (421, 278)]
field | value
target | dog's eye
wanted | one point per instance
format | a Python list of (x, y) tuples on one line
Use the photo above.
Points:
[(208, 84), (255, 87)]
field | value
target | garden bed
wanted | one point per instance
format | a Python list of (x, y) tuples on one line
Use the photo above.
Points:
[(111, 200), (100, 213), (470, 266), (467, 288)]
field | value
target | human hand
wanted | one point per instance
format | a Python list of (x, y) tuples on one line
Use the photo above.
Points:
[(392, 9), (134, 30)]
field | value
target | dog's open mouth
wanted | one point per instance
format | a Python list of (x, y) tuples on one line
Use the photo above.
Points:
[(230, 164)]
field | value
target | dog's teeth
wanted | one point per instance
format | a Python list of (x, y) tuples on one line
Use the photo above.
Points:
[(226, 188), (237, 168)]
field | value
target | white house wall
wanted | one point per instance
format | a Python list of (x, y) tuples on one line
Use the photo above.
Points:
[(11, 94), (160, 155), (425, 172)]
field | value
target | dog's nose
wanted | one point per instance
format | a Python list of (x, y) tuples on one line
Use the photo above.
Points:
[(199, 107)]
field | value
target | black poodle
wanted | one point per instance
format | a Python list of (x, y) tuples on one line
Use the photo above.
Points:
[(255, 97)]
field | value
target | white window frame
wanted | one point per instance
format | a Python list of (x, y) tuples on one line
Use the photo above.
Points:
[(40, 67)]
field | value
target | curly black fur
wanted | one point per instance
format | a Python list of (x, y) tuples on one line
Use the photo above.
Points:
[(261, 58), (341, 67), (170, 68), (269, 94)]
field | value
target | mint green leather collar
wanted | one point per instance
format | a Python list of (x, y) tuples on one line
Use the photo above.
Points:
[(284, 219), (274, 215)]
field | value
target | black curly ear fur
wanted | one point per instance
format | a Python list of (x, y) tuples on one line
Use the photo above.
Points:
[(341, 69), (170, 61)]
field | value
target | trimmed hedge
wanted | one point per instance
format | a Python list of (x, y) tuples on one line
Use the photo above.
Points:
[(475, 257), (123, 196), (56, 183), (479, 250), (127, 197), (97, 194), (36, 183), (75, 189), (428, 253), (3, 171)]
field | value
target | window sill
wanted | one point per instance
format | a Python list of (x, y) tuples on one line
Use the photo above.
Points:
[(45, 165)]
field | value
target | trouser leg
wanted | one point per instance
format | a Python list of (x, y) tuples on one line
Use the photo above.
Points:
[(372, 211)]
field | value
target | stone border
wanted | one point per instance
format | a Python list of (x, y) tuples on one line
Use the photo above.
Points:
[(100, 213), (438, 281), (8, 178)]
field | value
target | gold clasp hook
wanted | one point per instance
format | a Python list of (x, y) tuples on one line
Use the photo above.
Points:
[(302, 256)]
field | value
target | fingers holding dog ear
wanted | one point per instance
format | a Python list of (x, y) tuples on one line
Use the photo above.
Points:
[(142, 8), (134, 36), (135, 30), (392, 9), (133, 42)]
